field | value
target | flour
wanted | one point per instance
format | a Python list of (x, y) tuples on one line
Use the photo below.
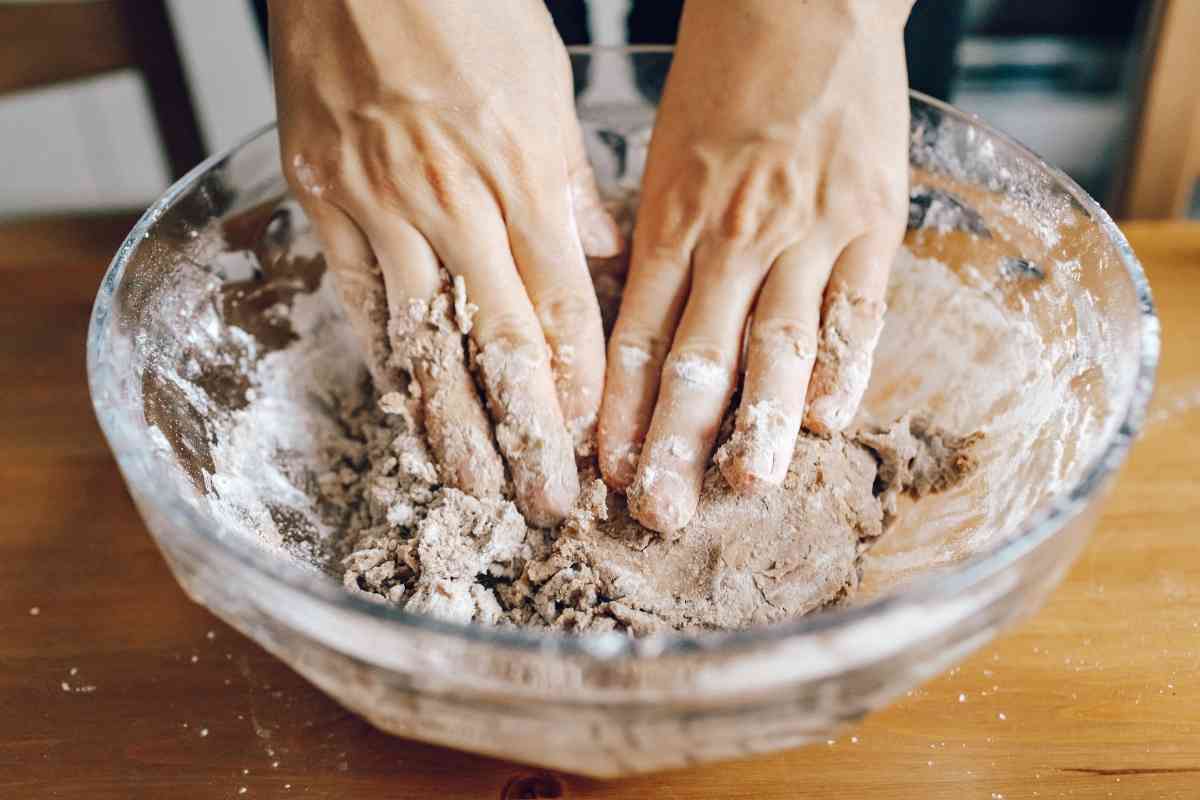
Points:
[(632, 358), (306, 176), (265, 412), (697, 372), (411, 540)]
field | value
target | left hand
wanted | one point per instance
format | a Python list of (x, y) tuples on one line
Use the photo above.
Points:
[(425, 135), (774, 198)]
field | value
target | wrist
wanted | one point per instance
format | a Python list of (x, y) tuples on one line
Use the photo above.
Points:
[(779, 15)]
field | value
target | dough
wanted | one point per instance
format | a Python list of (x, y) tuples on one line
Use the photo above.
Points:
[(416, 542)]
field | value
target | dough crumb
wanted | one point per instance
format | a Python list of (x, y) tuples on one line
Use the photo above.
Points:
[(412, 541), (464, 310)]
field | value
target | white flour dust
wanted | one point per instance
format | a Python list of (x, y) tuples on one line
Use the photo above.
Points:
[(960, 344)]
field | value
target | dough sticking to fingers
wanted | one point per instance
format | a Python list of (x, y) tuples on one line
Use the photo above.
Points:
[(781, 352), (696, 391), (539, 450), (849, 332), (752, 456), (427, 342)]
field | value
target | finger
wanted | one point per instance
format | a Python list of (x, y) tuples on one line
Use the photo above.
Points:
[(598, 231), (359, 284), (652, 303), (697, 383), (782, 348), (551, 262), (851, 321), (427, 340), (514, 366)]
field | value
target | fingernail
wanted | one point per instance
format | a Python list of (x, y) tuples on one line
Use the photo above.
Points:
[(554, 499), (759, 452), (661, 500), (661, 497)]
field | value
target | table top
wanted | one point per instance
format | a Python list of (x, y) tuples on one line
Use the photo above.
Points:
[(114, 685)]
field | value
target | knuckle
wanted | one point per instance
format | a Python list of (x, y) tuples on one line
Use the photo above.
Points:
[(766, 209), (634, 344), (511, 330), (725, 268), (884, 198), (657, 258), (702, 350), (785, 334), (406, 167), (561, 310), (721, 262), (700, 364)]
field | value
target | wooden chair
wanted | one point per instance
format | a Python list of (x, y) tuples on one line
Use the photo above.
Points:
[(1162, 178), (43, 43)]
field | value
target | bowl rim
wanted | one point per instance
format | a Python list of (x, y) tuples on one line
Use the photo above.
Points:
[(1039, 527)]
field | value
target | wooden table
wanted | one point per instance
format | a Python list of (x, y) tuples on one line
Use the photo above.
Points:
[(113, 685)]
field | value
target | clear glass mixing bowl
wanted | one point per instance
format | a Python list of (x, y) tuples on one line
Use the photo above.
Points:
[(1012, 240)]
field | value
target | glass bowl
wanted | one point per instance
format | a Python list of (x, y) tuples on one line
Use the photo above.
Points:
[(1018, 309)]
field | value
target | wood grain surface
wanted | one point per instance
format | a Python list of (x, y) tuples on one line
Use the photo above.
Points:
[(113, 685)]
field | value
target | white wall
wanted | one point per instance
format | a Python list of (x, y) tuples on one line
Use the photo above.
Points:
[(227, 67), (85, 145)]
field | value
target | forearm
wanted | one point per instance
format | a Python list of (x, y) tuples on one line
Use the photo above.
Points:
[(786, 16), (772, 53)]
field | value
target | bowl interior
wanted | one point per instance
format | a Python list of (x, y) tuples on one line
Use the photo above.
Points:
[(1015, 308)]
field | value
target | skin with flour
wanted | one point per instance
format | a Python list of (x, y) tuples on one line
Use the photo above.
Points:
[(773, 203), (421, 136)]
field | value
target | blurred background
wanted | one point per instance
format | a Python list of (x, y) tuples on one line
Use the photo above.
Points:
[(104, 102)]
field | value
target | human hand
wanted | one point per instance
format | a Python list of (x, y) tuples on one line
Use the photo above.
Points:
[(774, 199), (419, 135)]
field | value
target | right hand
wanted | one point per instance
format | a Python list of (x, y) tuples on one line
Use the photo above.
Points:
[(772, 207), (420, 134)]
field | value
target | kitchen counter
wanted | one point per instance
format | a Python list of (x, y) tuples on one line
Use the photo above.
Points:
[(114, 685)]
